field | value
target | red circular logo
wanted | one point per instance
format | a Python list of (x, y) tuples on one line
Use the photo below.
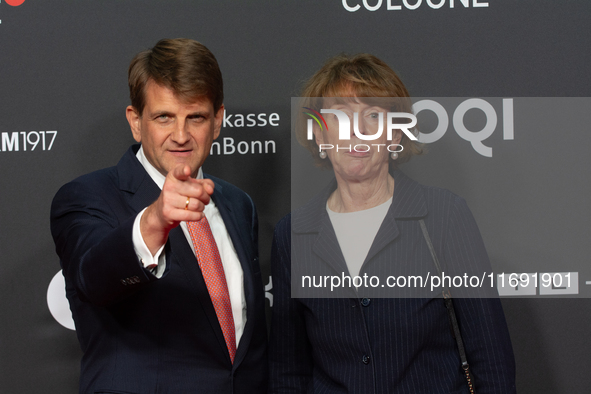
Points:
[(14, 3)]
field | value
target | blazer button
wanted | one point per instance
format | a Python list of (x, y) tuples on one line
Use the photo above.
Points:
[(365, 359), (365, 302)]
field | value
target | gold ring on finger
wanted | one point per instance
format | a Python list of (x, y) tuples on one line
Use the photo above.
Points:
[(187, 203)]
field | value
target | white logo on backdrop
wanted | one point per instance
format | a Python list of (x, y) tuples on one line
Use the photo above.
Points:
[(17, 141), (474, 137), (396, 5), (58, 303), (250, 122)]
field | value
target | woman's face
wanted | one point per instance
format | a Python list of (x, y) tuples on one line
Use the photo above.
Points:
[(357, 159)]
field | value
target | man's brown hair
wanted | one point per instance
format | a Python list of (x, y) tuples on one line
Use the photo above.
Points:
[(185, 66)]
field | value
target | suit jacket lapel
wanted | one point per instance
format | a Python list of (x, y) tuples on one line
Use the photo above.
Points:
[(238, 240), (313, 218), (408, 202), (135, 181), (143, 191), (185, 258)]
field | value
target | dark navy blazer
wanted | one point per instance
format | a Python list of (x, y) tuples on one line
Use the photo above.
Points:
[(140, 334), (365, 344)]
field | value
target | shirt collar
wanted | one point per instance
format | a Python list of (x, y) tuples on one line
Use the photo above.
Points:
[(156, 176)]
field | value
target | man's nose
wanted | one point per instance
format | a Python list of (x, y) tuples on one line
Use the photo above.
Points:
[(181, 133)]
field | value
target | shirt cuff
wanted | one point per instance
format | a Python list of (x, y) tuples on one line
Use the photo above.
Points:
[(155, 264)]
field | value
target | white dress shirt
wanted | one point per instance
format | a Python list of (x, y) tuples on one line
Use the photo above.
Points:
[(230, 261)]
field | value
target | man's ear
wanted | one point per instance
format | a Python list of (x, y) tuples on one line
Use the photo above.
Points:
[(133, 118), (217, 123)]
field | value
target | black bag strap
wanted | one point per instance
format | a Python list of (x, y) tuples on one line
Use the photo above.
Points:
[(450, 310)]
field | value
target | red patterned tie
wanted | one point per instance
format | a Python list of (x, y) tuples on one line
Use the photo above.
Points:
[(211, 266)]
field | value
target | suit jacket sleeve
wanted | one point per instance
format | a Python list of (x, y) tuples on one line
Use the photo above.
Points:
[(92, 230)]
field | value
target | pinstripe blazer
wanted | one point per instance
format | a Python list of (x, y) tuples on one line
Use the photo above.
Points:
[(363, 343)]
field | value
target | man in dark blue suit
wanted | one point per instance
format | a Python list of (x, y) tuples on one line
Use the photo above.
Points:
[(150, 316)]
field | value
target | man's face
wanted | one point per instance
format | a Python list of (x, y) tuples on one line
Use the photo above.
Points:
[(173, 132)]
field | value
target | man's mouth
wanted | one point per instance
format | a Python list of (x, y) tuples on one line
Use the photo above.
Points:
[(181, 152)]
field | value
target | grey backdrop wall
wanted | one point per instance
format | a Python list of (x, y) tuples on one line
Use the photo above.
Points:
[(63, 94)]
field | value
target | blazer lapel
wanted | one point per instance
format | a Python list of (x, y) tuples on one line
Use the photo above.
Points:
[(239, 239), (327, 247), (185, 258), (135, 181), (313, 218), (143, 191), (408, 202)]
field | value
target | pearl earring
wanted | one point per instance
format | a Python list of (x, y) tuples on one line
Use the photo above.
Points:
[(322, 154), (394, 155)]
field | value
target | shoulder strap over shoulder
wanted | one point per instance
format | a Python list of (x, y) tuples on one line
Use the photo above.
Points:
[(450, 310)]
